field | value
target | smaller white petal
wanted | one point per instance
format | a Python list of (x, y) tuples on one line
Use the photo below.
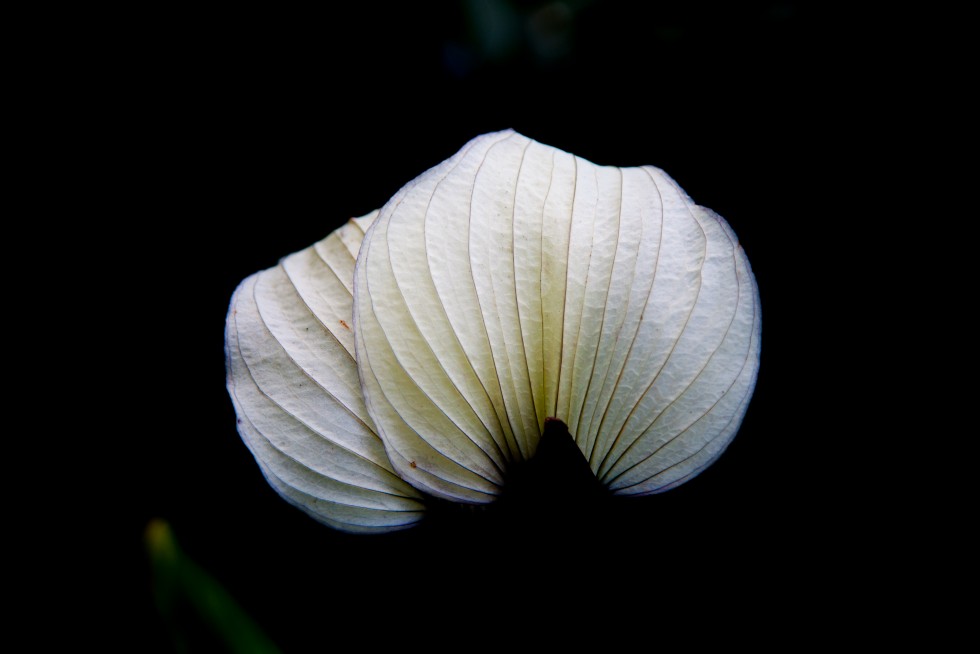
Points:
[(294, 384)]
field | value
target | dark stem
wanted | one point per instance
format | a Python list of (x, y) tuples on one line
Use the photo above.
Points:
[(555, 486)]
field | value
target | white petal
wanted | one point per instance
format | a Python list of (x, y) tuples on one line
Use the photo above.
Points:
[(294, 383), (515, 282)]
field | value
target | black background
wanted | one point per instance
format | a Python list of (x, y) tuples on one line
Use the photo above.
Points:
[(240, 136)]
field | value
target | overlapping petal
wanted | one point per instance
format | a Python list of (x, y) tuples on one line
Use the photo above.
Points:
[(512, 283)]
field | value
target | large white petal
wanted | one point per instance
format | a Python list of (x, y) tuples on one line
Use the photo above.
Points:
[(516, 282)]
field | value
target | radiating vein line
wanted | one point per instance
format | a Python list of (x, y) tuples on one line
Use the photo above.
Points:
[(541, 302), (517, 302), (585, 294), (605, 307), (564, 305)]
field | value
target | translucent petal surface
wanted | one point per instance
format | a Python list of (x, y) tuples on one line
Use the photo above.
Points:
[(515, 282), (294, 384)]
